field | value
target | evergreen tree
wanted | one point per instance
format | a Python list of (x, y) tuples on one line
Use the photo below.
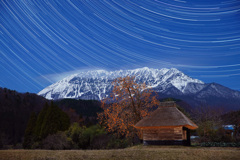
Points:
[(50, 120), (54, 120), (29, 132), (39, 122), (65, 121)]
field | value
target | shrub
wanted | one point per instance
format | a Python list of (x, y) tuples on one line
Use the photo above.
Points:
[(100, 141), (88, 134), (116, 143), (74, 133), (94, 137), (56, 142)]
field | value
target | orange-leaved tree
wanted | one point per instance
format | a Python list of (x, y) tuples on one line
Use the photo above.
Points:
[(128, 103)]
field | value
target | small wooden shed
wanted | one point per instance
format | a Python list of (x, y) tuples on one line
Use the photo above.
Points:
[(166, 125)]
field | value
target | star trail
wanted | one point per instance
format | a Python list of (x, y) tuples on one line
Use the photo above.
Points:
[(42, 41)]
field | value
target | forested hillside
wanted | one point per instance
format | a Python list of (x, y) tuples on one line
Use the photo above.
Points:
[(16, 108)]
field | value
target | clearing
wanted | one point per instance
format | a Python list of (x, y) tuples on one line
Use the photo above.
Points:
[(136, 152)]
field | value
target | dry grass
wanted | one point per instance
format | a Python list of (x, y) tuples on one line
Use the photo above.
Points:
[(137, 152)]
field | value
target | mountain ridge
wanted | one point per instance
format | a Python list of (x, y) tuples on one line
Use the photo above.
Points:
[(101, 79), (97, 84)]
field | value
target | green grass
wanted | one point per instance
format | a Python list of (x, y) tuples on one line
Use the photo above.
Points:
[(136, 152)]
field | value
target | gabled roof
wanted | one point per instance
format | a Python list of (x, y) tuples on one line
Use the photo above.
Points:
[(167, 115)]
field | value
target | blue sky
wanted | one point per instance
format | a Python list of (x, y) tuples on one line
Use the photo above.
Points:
[(43, 41)]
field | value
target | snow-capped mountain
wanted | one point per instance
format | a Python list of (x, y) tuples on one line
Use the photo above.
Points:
[(173, 83), (98, 84)]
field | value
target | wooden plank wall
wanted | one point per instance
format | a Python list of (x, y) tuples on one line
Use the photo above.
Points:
[(163, 133)]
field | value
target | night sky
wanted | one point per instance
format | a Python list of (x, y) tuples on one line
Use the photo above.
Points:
[(44, 41)]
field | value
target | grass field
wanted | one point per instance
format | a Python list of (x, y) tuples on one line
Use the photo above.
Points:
[(137, 152)]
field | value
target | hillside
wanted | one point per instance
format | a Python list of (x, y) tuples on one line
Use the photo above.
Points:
[(15, 110)]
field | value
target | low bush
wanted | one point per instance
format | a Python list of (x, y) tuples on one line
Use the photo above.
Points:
[(56, 142), (116, 143), (220, 144)]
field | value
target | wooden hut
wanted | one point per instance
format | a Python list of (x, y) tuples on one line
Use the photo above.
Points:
[(166, 125)]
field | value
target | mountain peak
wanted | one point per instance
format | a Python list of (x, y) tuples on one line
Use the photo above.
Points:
[(174, 70), (144, 68)]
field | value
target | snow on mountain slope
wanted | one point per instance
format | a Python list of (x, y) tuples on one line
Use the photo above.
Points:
[(97, 84)]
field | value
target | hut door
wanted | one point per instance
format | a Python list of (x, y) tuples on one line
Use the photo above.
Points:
[(186, 136), (184, 133)]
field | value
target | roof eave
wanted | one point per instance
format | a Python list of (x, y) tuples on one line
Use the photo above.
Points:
[(148, 127)]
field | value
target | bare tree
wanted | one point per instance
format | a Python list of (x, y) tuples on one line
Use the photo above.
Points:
[(209, 121)]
